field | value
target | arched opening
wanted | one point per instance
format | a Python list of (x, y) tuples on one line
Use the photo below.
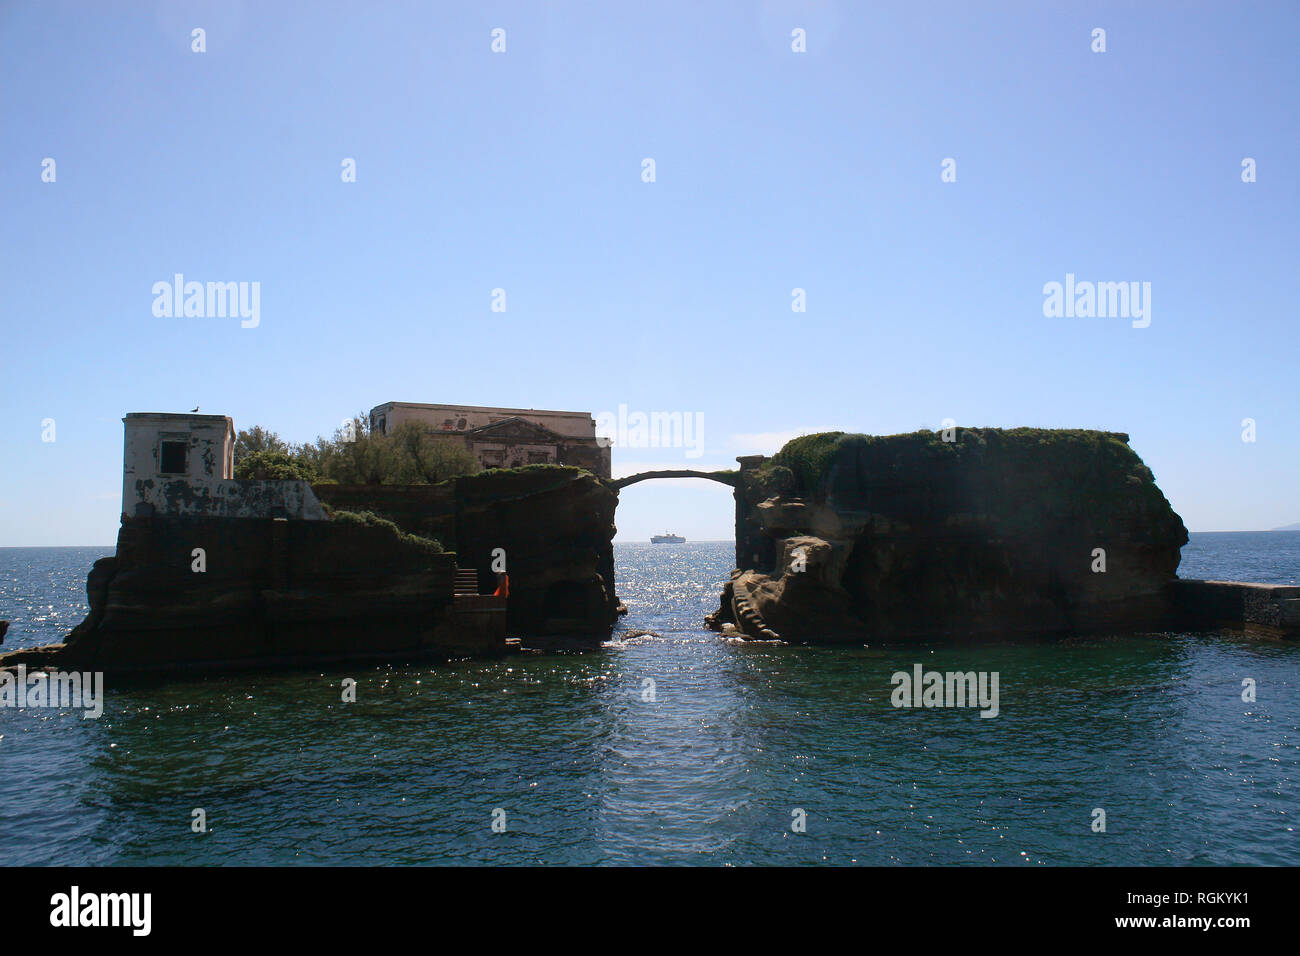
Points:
[(670, 504)]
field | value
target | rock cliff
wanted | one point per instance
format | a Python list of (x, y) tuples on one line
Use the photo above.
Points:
[(186, 593), (555, 525), (856, 538)]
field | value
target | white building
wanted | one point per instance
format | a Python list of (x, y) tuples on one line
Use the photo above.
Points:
[(178, 464)]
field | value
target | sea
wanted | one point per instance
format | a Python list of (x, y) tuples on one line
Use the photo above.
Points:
[(672, 745)]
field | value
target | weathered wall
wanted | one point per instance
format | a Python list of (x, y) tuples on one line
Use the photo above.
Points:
[(572, 424), (227, 499), (209, 442)]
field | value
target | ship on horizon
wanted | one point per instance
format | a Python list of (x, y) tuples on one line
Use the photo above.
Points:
[(667, 538)]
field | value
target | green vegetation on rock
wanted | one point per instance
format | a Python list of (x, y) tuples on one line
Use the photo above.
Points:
[(1021, 476), (807, 457), (371, 520)]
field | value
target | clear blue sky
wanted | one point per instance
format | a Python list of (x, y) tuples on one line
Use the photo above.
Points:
[(774, 170)]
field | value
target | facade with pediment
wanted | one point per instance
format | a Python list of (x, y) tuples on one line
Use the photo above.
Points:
[(507, 437)]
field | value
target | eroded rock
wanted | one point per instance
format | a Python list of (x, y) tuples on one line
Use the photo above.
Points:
[(910, 537)]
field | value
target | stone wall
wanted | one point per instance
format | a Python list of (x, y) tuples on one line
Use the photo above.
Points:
[(1269, 610)]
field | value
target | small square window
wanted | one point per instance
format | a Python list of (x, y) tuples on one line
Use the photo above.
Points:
[(172, 459)]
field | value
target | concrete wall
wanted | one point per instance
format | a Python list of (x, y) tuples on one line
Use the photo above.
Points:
[(1269, 609)]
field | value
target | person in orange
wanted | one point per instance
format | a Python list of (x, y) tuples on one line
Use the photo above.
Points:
[(503, 585)]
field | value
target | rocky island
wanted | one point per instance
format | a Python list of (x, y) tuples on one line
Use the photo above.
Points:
[(972, 533), (968, 534)]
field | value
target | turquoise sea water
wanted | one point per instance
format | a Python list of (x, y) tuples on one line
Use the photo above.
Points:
[(737, 739)]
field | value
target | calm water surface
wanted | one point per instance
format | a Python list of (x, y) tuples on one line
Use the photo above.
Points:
[(738, 736)]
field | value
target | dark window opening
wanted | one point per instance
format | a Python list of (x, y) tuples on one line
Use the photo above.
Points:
[(172, 459)]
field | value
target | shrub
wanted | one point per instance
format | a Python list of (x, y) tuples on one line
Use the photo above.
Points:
[(371, 520), (274, 466)]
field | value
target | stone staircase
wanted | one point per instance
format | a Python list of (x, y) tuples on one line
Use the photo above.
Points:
[(466, 582), (747, 616)]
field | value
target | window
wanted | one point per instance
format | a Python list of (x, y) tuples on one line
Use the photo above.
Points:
[(172, 459)]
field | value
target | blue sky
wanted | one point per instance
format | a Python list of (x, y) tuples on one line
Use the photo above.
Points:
[(774, 170)]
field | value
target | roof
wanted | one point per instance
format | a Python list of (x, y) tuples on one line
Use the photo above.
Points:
[(173, 416), (482, 408)]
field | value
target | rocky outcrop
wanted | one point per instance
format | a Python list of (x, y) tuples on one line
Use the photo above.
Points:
[(185, 593), (555, 525), (855, 538)]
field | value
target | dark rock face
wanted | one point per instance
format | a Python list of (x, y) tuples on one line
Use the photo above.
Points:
[(277, 591), (853, 538), (273, 592), (555, 525)]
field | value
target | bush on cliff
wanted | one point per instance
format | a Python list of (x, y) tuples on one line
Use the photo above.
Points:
[(807, 457), (371, 520)]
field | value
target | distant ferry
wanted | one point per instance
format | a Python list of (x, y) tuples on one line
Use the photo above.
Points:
[(667, 538)]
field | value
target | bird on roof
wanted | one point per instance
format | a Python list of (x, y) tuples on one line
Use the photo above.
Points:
[(194, 409)]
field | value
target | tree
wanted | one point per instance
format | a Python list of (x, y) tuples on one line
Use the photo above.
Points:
[(422, 455), (252, 440), (274, 466), (413, 454)]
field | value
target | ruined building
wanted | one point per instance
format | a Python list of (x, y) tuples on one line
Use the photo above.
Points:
[(506, 437)]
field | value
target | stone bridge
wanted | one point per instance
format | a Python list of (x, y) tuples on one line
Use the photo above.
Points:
[(726, 477)]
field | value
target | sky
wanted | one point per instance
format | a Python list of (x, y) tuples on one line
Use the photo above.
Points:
[(821, 170)]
